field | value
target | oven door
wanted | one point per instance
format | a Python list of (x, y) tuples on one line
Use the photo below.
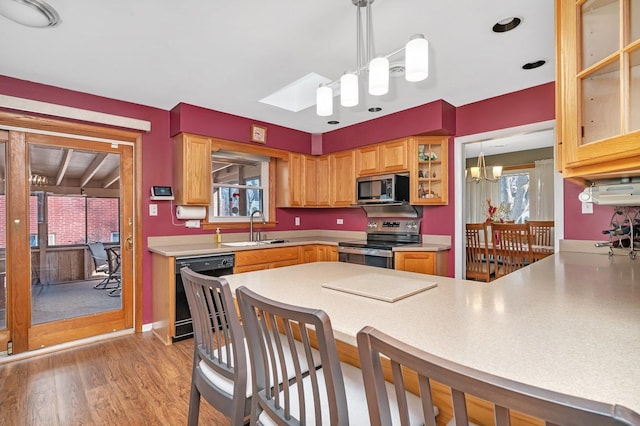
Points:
[(365, 256)]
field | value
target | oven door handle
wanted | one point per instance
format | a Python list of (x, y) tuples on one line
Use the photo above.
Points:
[(365, 251)]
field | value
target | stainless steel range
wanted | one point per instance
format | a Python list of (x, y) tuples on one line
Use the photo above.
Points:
[(382, 236)]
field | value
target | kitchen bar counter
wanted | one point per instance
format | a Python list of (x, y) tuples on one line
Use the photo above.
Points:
[(195, 245), (570, 322)]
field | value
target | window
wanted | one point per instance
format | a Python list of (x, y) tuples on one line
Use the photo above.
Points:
[(240, 185), (75, 220), (514, 193)]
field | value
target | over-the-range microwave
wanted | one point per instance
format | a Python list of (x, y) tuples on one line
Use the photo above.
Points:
[(391, 188)]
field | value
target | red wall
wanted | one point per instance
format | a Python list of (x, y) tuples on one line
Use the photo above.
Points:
[(527, 106)]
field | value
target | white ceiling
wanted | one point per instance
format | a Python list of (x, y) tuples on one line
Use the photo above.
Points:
[(227, 55)]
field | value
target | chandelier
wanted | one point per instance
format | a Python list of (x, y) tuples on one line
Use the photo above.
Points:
[(479, 172), (38, 180), (377, 67)]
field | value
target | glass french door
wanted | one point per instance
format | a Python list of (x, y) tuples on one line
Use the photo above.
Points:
[(67, 194)]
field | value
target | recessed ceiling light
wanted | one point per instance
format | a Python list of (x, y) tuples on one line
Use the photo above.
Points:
[(375, 109), (506, 25), (30, 13), (333, 122), (532, 65)]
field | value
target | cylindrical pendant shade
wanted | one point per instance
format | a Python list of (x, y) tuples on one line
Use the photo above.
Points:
[(324, 101), (417, 58), (378, 76), (349, 90)]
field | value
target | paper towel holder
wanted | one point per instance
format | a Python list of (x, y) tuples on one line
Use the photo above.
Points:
[(159, 193)]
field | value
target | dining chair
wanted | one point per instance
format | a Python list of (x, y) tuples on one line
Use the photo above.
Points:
[(511, 247), (333, 394), (478, 261), (106, 261), (541, 238), (377, 349), (221, 370)]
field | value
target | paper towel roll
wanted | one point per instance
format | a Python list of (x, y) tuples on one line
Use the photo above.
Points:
[(191, 212)]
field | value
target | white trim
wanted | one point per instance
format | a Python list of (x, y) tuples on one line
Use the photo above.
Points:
[(459, 195), (66, 135), (29, 105)]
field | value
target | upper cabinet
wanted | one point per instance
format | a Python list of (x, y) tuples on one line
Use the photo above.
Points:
[(302, 181), (598, 88), (192, 171), (429, 170), (388, 157), (343, 180)]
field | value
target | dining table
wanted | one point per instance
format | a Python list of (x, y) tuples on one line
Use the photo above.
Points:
[(568, 322)]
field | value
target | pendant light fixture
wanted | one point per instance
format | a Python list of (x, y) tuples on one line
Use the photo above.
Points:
[(479, 172), (376, 67), (30, 13)]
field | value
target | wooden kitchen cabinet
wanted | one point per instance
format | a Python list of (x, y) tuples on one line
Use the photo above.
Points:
[(290, 181), (192, 170), (387, 157), (343, 181), (254, 260), (324, 190), (598, 88), (367, 159), (327, 253), (429, 170), (394, 156), (423, 262), (309, 253)]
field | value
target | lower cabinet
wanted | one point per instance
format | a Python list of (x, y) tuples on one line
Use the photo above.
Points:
[(254, 260), (257, 259), (423, 262), (327, 253)]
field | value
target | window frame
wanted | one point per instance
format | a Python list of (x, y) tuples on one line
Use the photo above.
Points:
[(275, 155)]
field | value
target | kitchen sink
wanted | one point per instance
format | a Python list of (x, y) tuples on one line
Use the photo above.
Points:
[(253, 243), (241, 244)]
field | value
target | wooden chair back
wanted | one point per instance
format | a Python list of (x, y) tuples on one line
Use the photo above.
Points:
[(478, 262), (511, 247), (220, 356), (271, 328), (506, 395), (541, 235)]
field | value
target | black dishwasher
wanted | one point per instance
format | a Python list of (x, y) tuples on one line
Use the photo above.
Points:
[(212, 265)]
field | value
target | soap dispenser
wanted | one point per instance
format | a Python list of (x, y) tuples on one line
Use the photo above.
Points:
[(218, 236)]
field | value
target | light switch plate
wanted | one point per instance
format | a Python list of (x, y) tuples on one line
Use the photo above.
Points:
[(339, 222), (153, 210), (587, 208), (297, 221)]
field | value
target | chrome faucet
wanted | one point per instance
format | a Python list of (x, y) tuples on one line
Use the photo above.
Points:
[(251, 222)]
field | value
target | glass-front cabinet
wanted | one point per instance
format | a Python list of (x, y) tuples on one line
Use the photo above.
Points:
[(429, 170), (598, 87)]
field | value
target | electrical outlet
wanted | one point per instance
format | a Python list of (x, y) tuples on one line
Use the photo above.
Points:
[(153, 210), (587, 208), (339, 221), (192, 224), (297, 221)]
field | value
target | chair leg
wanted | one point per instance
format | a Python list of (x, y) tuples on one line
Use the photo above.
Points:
[(194, 406), (104, 284)]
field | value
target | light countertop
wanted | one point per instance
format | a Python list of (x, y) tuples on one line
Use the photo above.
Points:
[(570, 322), (204, 244)]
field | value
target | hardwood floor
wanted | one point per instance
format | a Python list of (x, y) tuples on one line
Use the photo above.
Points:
[(130, 380)]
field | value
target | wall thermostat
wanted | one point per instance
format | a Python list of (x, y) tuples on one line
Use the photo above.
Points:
[(161, 193)]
